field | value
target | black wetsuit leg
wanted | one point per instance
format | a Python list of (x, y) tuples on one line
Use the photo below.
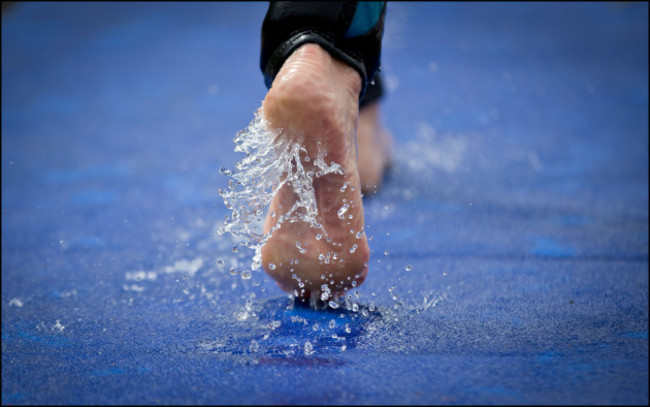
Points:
[(349, 30)]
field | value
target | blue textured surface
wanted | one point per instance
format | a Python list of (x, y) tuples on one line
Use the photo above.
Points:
[(519, 197)]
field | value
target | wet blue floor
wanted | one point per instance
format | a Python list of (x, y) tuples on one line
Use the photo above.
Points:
[(518, 198)]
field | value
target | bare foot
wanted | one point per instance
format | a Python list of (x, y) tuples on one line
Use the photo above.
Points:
[(314, 101), (375, 147)]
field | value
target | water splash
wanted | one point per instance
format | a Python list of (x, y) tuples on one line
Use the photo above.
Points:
[(270, 163)]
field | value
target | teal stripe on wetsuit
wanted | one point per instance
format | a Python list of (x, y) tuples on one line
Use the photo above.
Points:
[(365, 17)]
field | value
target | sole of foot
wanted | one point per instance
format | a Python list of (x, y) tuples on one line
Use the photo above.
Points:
[(375, 149), (314, 102)]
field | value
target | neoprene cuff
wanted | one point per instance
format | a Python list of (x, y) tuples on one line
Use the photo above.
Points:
[(350, 31)]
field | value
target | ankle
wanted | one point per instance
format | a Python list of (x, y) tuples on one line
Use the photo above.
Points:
[(312, 64)]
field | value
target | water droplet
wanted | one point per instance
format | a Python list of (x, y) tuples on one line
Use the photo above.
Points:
[(353, 248), (246, 274), (333, 304), (386, 252), (254, 346), (344, 208), (220, 263), (235, 249), (408, 267), (271, 266), (309, 348), (319, 236), (332, 324)]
